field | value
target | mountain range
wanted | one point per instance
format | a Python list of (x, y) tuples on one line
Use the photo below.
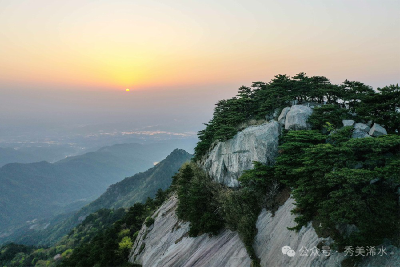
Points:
[(41, 190), (123, 194)]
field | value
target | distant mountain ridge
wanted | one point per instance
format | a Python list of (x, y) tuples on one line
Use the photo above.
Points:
[(142, 185), (125, 193), (38, 190), (9, 155), (36, 153)]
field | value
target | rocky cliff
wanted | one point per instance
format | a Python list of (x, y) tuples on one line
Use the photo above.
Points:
[(227, 160), (166, 242)]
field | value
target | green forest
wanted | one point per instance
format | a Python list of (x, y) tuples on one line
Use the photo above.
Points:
[(104, 238), (262, 100)]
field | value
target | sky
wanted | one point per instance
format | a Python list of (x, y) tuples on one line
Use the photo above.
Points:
[(69, 62)]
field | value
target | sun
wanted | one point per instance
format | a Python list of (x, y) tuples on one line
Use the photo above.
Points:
[(127, 90)]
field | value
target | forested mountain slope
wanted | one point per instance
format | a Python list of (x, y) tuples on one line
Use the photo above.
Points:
[(37, 190), (123, 194), (98, 229), (141, 185)]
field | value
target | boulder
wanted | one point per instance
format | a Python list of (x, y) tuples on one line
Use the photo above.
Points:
[(360, 130), (227, 160), (377, 130), (57, 257), (282, 117), (361, 127), (360, 134), (374, 180), (347, 123), (296, 118)]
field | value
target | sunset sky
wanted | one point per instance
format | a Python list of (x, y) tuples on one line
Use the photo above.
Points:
[(53, 52)]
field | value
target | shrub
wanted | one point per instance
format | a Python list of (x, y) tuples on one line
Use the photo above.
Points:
[(346, 182), (149, 221), (198, 204), (333, 114), (126, 243)]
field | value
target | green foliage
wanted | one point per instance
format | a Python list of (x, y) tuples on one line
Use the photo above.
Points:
[(102, 239), (353, 200), (67, 253), (341, 135), (332, 114), (265, 98), (124, 232), (198, 204), (240, 209), (15, 255), (111, 246), (344, 182), (125, 193), (126, 243), (140, 186), (149, 221), (257, 178), (42, 189), (209, 206), (290, 152)]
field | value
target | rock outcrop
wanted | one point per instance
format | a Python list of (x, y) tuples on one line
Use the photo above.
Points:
[(282, 116), (361, 130), (347, 123), (166, 244), (273, 235), (296, 118), (377, 130), (227, 160), (361, 127)]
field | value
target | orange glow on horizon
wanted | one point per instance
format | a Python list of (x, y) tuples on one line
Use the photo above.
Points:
[(62, 46)]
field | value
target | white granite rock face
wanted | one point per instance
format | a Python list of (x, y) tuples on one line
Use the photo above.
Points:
[(273, 235), (359, 134), (361, 130), (347, 123), (362, 127), (296, 118), (227, 160), (167, 244), (377, 130), (282, 117)]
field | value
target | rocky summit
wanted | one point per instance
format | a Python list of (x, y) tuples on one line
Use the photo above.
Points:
[(167, 241)]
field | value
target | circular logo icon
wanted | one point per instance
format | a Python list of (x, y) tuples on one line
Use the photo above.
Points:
[(285, 249), (291, 253)]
